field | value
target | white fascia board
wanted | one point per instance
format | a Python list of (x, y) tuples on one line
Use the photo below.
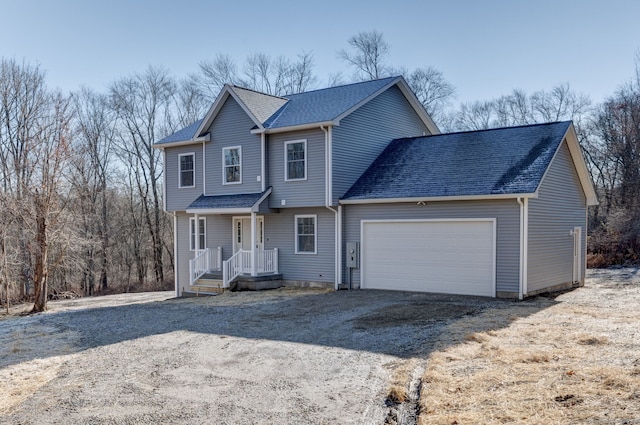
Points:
[(581, 166), (408, 94), (219, 211), (293, 127), (367, 99), (256, 207), (226, 91), (177, 143), (213, 110), (417, 106), (244, 107), (438, 199)]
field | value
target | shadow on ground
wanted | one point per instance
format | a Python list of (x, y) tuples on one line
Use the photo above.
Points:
[(401, 324)]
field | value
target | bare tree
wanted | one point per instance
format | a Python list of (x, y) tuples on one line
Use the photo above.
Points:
[(50, 153), (92, 167), (432, 90), (142, 102), (214, 74), (368, 55)]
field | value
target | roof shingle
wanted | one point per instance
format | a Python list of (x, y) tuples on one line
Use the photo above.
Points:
[(488, 162)]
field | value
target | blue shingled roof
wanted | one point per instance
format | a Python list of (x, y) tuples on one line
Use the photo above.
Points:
[(323, 105), (186, 133), (245, 200), (303, 108), (488, 162)]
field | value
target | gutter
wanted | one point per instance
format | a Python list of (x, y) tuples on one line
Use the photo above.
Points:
[(328, 184)]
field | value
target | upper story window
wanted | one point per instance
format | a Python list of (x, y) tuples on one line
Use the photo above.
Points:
[(295, 159), (232, 165), (186, 162)]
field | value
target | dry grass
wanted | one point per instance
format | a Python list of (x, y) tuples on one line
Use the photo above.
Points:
[(577, 361)]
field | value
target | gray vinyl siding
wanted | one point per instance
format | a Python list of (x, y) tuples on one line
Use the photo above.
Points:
[(364, 134), (177, 198), (279, 232), (506, 213), (301, 193), (560, 206), (232, 127)]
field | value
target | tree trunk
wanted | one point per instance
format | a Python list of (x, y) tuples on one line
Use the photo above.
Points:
[(41, 267)]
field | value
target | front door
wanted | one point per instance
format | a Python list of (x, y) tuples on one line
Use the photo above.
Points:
[(242, 233)]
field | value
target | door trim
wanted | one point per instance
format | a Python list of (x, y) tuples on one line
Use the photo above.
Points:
[(234, 235)]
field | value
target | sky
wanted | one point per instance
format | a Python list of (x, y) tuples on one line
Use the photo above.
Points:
[(485, 48)]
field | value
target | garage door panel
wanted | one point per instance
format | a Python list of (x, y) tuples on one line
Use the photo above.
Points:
[(430, 256)]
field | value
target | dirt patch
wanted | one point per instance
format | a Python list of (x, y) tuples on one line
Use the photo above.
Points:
[(573, 362)]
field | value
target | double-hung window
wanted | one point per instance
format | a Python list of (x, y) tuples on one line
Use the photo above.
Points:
[(186, 162), (232, 165), (295, 159), (197, 233), (306, 231)]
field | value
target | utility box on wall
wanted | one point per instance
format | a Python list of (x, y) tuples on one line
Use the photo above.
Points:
[(353, 255)]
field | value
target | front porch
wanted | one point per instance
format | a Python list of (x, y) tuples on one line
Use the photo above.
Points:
[(208, 271)]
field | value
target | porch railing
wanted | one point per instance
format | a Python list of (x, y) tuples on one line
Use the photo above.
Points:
[(206, 260), (241, 263)]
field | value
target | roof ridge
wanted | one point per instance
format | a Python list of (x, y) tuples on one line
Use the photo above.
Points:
[(344, 85), (488, 129)]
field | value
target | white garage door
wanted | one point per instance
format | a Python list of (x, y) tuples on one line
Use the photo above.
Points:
[(445, 256)]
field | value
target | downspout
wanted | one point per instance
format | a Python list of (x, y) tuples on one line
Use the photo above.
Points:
[(521, 266), (262, 162), (204, 168), (328, 195)]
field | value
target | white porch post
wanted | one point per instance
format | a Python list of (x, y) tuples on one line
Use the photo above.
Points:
[(197, 233), (254, 227)]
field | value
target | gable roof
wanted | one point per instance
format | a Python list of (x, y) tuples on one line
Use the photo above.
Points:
[(303, 110), (228, 204), (496, 163)]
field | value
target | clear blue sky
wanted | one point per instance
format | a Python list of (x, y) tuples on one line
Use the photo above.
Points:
[(485, 48)]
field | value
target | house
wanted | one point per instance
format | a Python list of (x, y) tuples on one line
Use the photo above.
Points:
[(353, 186)]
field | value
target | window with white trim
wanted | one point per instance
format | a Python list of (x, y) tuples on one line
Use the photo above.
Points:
[(197, 235), (187, 166), (295, 160), (306, 231), (232, 165)]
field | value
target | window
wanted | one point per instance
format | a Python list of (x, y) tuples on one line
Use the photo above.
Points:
[(295, 159), (187, 169), (305, 234), (197, 236), (232, 163)]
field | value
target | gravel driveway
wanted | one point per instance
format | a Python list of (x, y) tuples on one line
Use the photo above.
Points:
[(286, 356)]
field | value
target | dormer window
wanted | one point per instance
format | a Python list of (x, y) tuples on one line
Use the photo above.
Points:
[(295, 158), (187, 169), (232, 165)]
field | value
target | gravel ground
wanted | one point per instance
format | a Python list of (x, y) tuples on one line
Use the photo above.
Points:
[(286, 356)]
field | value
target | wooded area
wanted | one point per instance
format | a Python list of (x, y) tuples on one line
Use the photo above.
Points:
[(81, 184)]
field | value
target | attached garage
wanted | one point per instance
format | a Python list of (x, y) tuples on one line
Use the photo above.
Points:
[(456, 256)]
